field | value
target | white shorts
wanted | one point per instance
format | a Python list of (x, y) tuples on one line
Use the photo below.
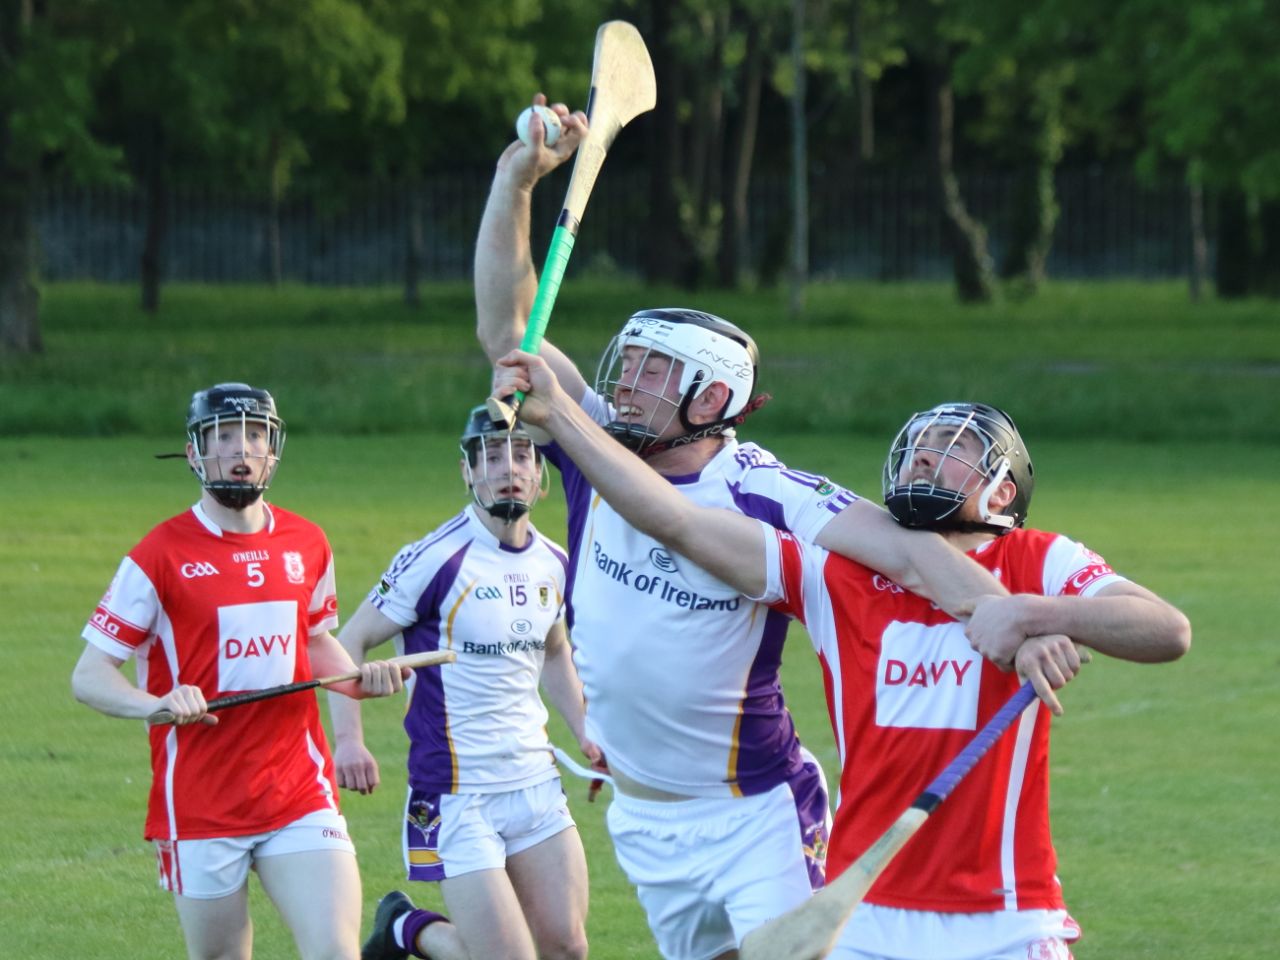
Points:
[(449, 834), (887, 933), (219, 866), (709, 871)]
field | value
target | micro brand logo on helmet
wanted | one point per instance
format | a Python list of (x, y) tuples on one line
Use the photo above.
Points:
[(703, 349), (238, 404)]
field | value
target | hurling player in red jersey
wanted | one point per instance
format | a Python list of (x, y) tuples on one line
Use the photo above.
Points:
[(231, 595), (907, 685)]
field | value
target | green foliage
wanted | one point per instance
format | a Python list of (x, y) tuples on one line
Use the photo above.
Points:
[(47, 77)]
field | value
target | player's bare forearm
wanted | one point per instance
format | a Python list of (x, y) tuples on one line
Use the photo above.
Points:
[(505, 279), (1123, 620), (917, 560), (561, 683)]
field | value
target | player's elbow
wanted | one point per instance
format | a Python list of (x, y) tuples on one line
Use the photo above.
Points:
[(497, 339), (1177, 635)]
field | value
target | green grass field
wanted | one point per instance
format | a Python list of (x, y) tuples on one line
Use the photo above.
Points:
[(1165, 779)]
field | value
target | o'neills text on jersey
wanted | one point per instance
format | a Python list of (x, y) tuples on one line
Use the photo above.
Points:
[(249, 556)]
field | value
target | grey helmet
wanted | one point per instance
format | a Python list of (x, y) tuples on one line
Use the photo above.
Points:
[(928, 503), (709, 349), (479, 437), (237, 404)]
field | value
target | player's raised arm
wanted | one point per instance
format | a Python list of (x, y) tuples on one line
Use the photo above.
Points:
[(505, 278), (728, 545)]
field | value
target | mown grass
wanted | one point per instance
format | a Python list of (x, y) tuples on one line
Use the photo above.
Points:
[(1119, 359), (1164, 777)]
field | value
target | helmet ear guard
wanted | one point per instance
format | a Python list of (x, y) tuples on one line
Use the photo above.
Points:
[(709, 350), (477, 436), (930, 504), (239, 404)]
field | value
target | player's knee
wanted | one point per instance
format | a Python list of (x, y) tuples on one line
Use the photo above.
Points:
[(564, 945)]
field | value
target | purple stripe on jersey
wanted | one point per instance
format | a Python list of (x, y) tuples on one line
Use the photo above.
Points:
[(813, 812), (759, 507), (431, 764), (768, 748), (577, 496), (409, 556)]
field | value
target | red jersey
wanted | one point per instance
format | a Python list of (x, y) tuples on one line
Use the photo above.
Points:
[(227, 612), (906, 693)]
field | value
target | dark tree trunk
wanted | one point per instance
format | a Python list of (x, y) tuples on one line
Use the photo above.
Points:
[(975, 282), (1199, 273), (414, 249), (1234, 253), (19, 296), (1266, 260), (799, 274), (1034, 201), (866, 99), (275, 252), (735, 237), (668, 249), (157, 194)]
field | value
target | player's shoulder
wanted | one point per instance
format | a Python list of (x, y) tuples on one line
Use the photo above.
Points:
[(550, 546), (284, 520), (168, 535), (1027, 541), (443, 541)]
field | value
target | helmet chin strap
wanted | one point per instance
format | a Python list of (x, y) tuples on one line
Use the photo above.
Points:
[(984, 500), (234, 496), (710, 430)]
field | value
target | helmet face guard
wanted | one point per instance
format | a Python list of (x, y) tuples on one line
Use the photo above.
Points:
[(234, 406), (931, 445), (701, 349), (491, 455)]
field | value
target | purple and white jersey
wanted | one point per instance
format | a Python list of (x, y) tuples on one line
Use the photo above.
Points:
[(478, 725), (680, 671)]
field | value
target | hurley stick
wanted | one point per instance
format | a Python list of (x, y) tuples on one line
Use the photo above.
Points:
[(413, 660), (623, 86)]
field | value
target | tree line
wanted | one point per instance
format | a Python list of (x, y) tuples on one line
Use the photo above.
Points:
[(313, 96)]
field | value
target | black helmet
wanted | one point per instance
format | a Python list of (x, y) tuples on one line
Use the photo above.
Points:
[(709, 348), (238, 403), (481, 432), (926, 502)]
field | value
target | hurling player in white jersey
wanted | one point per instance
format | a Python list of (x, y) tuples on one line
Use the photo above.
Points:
[(719, 817), (235, 595), (485, 815), (908, 686)]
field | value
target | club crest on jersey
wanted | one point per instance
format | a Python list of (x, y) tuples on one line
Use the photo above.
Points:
[(293, 567), (545, 595)]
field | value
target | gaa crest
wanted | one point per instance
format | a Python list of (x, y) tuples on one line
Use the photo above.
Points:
[(293, 566)]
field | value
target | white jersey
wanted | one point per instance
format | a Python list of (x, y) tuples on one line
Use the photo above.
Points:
[(477, 726), (680, 671)]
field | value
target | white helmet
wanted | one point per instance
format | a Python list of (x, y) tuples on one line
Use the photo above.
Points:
[(709, 348)]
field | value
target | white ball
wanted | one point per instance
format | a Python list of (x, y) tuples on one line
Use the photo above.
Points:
[(550, 122)]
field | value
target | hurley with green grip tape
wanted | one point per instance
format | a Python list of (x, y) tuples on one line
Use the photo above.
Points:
[(623, 86)]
